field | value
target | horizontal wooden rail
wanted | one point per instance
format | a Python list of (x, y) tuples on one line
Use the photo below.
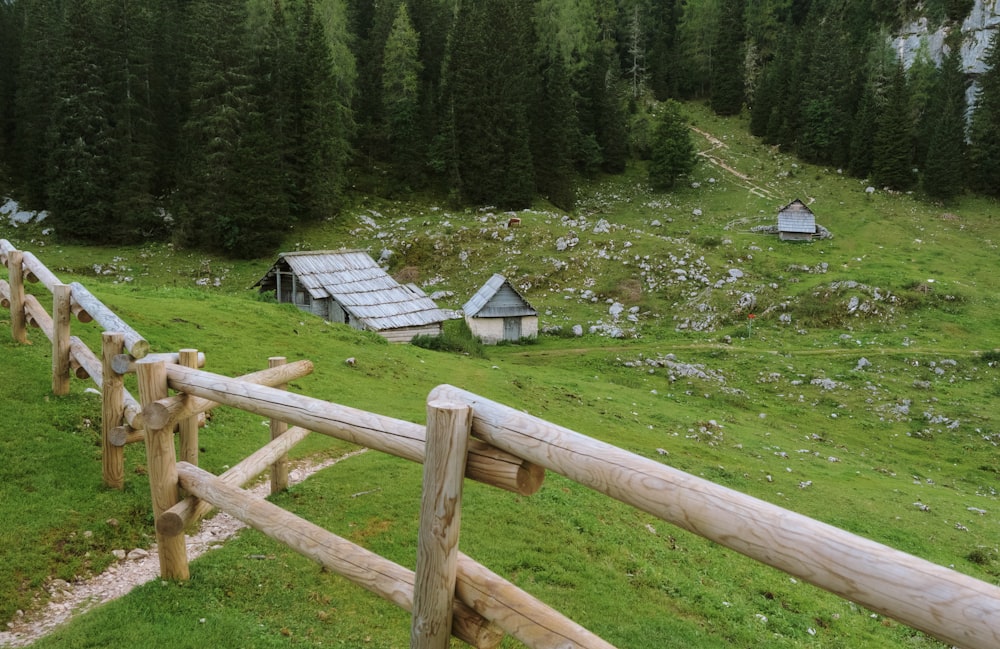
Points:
[(167, 412), (481, 594), (189, 510), (82, 356), (394, 436), (363, 567), (134, 343), (125, 363), (37, 272), (6, 247), (953, 607)]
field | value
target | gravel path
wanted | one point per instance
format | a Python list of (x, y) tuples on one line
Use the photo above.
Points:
[(139, 567)]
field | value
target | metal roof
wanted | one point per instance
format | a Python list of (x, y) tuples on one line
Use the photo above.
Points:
[(361, 287), (490, 289)]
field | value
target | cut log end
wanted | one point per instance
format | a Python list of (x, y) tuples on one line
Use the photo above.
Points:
[(170, 524), (139, 349), (118, 436), (530, 477)]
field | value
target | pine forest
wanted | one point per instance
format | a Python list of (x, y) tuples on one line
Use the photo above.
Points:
[(219, 124)]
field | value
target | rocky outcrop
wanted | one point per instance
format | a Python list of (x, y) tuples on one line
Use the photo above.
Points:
[(977, 30)]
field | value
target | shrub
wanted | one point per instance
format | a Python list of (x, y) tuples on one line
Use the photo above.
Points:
[(456, 337)]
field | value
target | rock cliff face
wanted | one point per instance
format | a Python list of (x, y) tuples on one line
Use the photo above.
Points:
[(977, 30)]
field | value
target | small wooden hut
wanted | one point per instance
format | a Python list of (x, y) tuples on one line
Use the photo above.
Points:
[(796, 222), (347, 286), (498, 312)]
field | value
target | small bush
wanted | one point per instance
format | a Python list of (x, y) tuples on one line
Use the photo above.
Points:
[(990, 356), (980, 557), (456, 337)]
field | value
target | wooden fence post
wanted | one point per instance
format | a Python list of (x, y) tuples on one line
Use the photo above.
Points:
[(60, 339), (161, 465), (448, 426), (189, 425), (279, 470), (15, 275), (112, 410)]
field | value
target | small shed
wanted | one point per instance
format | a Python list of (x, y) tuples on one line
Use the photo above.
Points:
[(498, 312), (347, 286), (796, 222)]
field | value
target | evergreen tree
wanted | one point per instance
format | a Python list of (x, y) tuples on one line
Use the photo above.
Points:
[(673, 153), (727, 63), (81, 174), (945, 168), (322, 129), (892, 153), (984, 134), (41, 35), (228, 197), (491, 89), (880, 66), (555, 134), (368, 102), (10, 54), (696, 35), (665, 16), (863, 135), (401, 100), (130, 50), (824, 127), (167, 89), (767, 99), (923, 81)]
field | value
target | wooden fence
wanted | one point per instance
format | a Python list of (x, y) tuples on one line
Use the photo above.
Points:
[(466, 436)]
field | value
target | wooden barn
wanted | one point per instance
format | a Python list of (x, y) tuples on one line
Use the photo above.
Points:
[(796, 222), (348, 286), (498, 312)]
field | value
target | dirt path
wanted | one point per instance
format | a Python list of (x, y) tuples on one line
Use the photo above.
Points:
[(716, 143), (119, 579)]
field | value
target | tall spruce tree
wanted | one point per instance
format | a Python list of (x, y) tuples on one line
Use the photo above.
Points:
[(554, 134), (892, 153), (228, 198), (81, 137), (401, 100), (696, 35), (41, 39), (824, 128), (673, 152), (491, 87), (10, 55), (984, 133), (321, 135), (879, 69), (665, 16), (727, 60), (132, 30), (945, 167)]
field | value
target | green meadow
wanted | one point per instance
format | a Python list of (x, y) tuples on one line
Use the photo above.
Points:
[(862, 393)]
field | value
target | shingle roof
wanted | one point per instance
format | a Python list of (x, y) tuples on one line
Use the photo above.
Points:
[(796, 217), (361, 287), (489, 290)]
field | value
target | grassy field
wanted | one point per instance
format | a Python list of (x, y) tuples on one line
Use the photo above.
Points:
[(863, 394)]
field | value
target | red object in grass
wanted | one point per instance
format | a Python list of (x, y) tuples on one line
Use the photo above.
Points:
[(751, 316)]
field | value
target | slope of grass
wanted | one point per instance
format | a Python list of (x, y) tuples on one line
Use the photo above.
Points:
[(852, 417)]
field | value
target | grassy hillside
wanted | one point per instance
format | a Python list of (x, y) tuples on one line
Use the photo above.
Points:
[(861, 395)]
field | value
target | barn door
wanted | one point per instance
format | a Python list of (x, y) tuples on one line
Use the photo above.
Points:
[(512, 329)]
